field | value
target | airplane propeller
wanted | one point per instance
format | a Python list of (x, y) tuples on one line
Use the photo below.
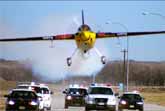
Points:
[(76, 21)]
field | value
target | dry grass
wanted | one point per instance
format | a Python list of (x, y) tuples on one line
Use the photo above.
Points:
[(2, 104), (154, 96), (5, 86), (2, 99)]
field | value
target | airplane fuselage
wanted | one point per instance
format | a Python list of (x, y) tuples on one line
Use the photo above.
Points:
[(85, 40)]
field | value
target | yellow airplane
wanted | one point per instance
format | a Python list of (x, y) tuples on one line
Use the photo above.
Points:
[(85, 38)]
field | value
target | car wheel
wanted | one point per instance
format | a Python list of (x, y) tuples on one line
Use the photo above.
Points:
[(66, 106), (43, 109), (87, 109), (140, 109), (112, 109), (120, 109), (37, 110), (49, 108)]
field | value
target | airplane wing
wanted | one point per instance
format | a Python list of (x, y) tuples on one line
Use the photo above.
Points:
[(125, 34), (57, 37)]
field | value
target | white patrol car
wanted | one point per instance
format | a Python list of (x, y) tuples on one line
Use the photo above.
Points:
[(100, 96), (46, 96)]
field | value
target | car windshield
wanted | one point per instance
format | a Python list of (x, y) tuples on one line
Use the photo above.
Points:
[(23, 87), (45, 90), (100, 90), (23, 94), (131, 96), (77, 91), (36, 89)]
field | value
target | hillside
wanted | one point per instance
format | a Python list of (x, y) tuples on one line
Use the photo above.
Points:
[(140, 73), (15, 71)]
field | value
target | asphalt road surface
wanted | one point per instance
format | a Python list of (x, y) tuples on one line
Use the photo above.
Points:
[(58, 104)]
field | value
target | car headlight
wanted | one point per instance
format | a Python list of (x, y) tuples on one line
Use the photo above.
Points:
[(69, 97), (40, 98), (140, 103), (33, 103), (48, 99), (111, 101), (11, 102), (123, 102), (90, 100)]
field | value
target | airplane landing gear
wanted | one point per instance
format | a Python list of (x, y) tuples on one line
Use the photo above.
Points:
[(103, 59), (69, 61)]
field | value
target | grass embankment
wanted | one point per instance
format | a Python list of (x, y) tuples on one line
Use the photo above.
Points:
[(2, 100), (4, 88), (154, 96)]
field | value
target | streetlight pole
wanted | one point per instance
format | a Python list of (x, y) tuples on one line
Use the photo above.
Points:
[(152, 13), (127, 70), (124, 65), (93, 78)]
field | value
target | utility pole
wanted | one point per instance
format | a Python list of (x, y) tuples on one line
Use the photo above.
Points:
[(124, 66), (125, 71), (93, 78)]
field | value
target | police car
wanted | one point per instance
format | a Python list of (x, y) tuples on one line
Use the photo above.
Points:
[(42, 90), (75, 95), (46, 96), (131, 100), (22, 99), (100, 97)]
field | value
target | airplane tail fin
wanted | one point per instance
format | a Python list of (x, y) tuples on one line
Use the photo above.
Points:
[(82, 17)]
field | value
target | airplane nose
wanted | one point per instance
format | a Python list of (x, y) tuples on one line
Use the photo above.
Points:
[(84, 36)]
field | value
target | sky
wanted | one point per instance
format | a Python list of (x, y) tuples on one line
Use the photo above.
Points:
[(45, 18)]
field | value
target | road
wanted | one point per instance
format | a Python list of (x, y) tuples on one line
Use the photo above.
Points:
[(58, 104)]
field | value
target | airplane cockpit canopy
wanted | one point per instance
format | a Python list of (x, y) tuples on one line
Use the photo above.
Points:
[(84, 28)]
